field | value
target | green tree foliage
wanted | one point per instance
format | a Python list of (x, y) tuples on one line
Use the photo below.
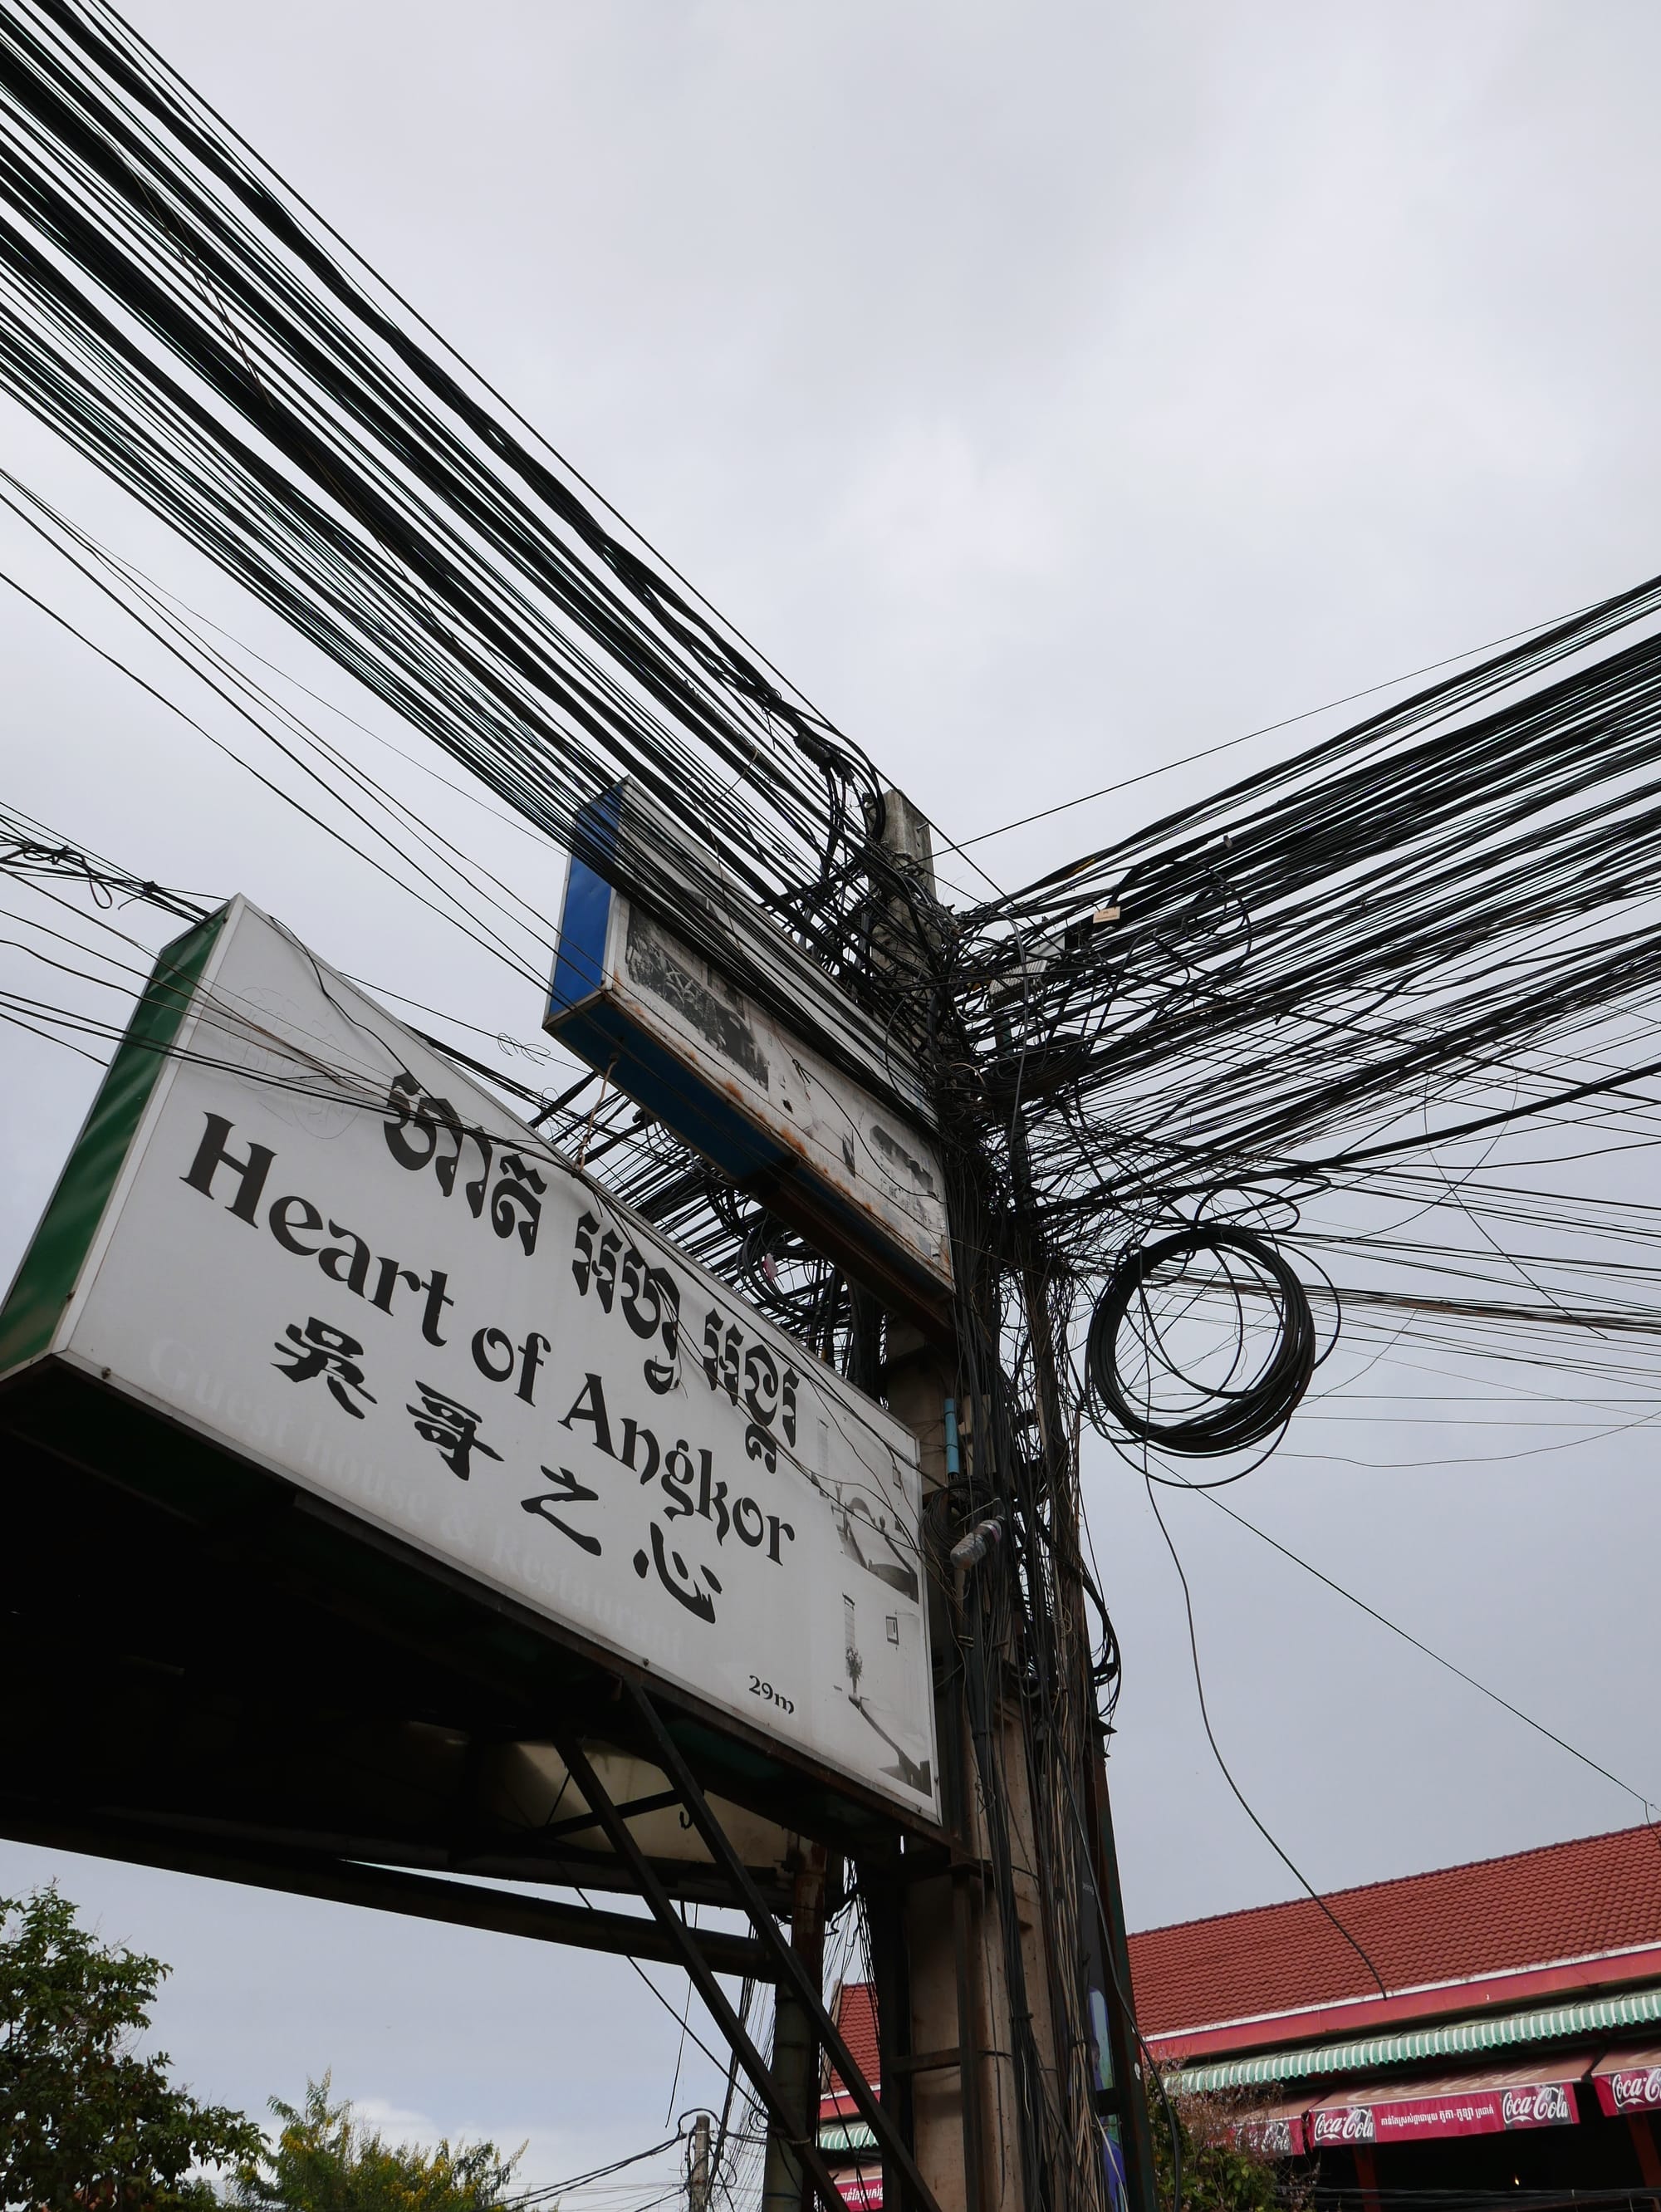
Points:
[(84, 2120), (1219, 2174), (327, 2160)]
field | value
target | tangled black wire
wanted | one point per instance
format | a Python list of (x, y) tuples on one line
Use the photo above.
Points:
[(1230, 1415)]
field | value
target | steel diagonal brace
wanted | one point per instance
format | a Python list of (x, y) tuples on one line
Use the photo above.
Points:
[(792, 1974), (685, 1944)]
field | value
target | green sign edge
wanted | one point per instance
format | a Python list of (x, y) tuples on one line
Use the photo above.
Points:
[(46, 1281)]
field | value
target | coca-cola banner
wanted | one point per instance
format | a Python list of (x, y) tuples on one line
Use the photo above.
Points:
[(1340, 2124), (1473, 2111), (1271, 2135), (1631, 2089), (861, 2191)]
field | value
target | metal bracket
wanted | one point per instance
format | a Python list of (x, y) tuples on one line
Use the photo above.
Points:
[(791, 1974), (687, 1947), (350, 1879)]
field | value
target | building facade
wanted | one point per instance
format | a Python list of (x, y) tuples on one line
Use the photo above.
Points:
[(1493, 2028)]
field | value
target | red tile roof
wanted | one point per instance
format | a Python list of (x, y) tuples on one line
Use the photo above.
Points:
[(1462, 1925), (854, 2011)]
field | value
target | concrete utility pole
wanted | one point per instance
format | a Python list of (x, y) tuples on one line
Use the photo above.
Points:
[(698, 2173), (1116, 2061), (950, 2051), (998, 2013), (786, 2184), (937, 2060), (947, 2011)]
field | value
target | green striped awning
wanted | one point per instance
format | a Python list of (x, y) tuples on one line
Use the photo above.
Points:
[(847, 2135), (1488, 2032)]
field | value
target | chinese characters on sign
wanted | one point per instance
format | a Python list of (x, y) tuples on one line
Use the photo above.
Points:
[(317, 1350), (453, 1428), (684, 1484)]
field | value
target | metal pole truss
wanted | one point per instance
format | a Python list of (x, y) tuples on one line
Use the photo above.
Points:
[(347, 1879), (782, 1963)]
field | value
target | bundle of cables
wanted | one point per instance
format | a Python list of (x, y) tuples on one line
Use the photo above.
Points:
[(1230, 1391)]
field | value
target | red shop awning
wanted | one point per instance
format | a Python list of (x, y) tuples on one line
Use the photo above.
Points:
[(1628, 2081), (1536, 2095)]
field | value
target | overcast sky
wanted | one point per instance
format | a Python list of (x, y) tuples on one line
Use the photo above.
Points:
[(1050, 392)]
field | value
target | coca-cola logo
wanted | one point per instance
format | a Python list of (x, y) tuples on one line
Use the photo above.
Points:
[(1349, 2123), (1636, 2091), (1273, 2137), (1533, 2107)]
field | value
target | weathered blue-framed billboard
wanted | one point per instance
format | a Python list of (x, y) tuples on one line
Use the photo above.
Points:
[(842, 1148)]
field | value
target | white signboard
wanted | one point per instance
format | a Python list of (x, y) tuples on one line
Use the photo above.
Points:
[(858, 1179), (824, 1125), (334, 1254)]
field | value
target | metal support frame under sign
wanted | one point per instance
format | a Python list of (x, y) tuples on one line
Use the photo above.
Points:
[(787, 1967)]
